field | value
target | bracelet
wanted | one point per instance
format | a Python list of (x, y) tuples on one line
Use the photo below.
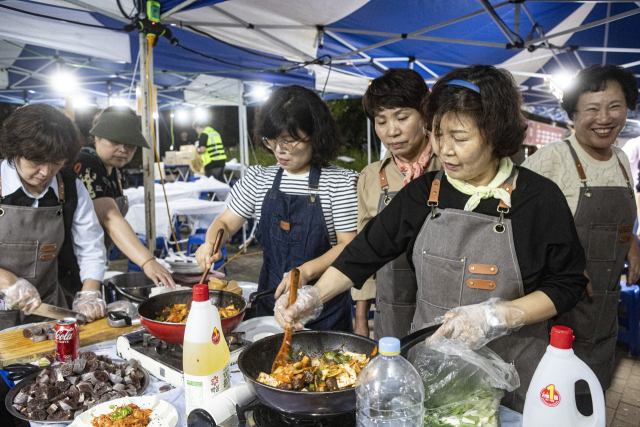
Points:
[(145, 263)]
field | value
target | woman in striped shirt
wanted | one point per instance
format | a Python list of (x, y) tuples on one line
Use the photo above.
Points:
[(307, 208)]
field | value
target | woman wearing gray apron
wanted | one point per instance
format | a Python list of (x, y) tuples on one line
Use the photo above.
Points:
[(117, 135), (37, 200), (594, 176), (394, 102), (493, 246)]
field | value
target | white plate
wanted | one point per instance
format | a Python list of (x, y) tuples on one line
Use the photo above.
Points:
[(259, 327), (164, 414), (248, 288)]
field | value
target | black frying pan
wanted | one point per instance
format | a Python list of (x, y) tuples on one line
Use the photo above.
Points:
[(259, 357)]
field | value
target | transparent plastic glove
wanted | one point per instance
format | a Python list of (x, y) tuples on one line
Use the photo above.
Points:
[(22, 295), (91, 304), (476, 325), (307, 307)]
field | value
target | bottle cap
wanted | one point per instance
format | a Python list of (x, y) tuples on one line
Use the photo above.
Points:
[(200, 293), (389, 346), (562, 337)]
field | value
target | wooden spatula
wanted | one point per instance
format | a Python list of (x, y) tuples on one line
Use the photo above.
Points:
[(281, 358), (216, 248)]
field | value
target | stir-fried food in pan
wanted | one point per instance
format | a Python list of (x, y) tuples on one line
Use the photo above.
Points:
[(124, 416), (179, 313), (335, 370)]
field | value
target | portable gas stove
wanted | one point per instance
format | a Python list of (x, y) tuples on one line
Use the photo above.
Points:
[(256, 414), (164, 360)]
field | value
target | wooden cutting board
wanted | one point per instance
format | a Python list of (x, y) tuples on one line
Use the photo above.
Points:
[(15, 348)]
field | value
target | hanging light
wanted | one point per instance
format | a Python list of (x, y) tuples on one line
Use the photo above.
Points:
[(80, 102), (120, 102), (65, 83), (183, 116)]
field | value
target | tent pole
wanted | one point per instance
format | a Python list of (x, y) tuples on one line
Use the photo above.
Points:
[(368, 141), (147, 154), (241, 130)]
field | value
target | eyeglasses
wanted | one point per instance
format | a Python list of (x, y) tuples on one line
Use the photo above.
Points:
[(284, 145)]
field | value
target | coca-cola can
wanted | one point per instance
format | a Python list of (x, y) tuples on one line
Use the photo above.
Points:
[(67, 339)]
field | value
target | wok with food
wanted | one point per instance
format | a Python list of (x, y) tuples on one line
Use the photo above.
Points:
[(151, 310), (333, 352), (180, 312), (335, 370)]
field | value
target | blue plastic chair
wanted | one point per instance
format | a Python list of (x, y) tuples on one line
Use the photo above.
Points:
[(630, 302)]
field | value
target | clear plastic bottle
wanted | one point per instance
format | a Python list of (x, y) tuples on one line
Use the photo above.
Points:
[(389, 390), (205, 360)]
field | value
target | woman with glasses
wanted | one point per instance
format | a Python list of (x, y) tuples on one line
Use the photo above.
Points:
[(306, 207)]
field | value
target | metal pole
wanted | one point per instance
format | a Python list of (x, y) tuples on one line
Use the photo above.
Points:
[(241, 131), (368, 141), (147, 154)]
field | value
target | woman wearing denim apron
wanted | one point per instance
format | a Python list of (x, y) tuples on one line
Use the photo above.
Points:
[(493, 246), (306, 208)]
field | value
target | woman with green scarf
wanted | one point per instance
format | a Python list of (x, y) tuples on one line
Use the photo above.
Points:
[(493, 246)]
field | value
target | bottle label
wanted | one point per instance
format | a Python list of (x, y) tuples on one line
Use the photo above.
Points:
[(216, 336), (550, 396), (199, 390)]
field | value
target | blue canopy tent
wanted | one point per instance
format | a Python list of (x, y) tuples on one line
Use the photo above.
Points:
[(336, 46)]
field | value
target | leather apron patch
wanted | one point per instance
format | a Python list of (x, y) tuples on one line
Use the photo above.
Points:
[(285, 225)]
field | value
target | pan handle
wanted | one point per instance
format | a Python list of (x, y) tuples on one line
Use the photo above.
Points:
[(255, 296), (409, 341), (126, 294)]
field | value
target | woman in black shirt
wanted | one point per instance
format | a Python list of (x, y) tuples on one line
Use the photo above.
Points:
[(492, 267)]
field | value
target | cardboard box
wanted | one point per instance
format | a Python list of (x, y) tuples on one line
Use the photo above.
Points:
[(190, 148), (179, 158)]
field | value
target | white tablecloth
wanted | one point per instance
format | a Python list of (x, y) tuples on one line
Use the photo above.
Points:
[(180, 190), (201, 213)]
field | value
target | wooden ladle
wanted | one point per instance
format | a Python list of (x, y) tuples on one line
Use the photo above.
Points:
[(216, 248), (281, 358)]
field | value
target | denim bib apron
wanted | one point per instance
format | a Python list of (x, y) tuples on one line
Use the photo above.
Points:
[(292, 230)]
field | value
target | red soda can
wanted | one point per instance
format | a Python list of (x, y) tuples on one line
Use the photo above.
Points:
[(67, 339)]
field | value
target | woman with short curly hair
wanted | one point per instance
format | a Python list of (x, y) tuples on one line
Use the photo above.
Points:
[(46, 214), (306, 207), (490, 265)]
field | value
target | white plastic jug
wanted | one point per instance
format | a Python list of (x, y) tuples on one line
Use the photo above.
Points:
[(551, 399)]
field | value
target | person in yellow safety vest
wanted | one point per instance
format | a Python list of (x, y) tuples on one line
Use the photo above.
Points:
[(210, 147)]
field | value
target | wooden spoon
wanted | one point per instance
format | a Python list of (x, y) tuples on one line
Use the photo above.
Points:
[(281, 358), (216, 248)]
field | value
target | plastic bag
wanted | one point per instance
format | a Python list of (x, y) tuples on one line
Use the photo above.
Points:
[(463, 387)]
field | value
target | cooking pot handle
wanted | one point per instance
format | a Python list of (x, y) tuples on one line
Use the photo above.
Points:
[(126, 294), (409, 341), (255, 296)]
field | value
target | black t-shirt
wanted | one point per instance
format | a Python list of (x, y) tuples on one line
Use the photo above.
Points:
[(550, 256), (93, 174)]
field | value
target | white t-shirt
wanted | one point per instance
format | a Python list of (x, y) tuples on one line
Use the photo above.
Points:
[(632, 150), (337, 192), (555, 162)]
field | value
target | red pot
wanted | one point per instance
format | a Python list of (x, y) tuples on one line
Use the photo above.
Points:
[(174, 332)]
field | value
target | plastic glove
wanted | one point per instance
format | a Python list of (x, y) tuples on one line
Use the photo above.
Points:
[(476, 325), (91, 304), (22, 295), (307, 307)]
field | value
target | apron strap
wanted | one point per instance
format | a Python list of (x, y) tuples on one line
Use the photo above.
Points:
[(61, 193), (581, 174), (277, 179), (626, 176), (384, 185), (314, 183), (508, 187), (119, 180)]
